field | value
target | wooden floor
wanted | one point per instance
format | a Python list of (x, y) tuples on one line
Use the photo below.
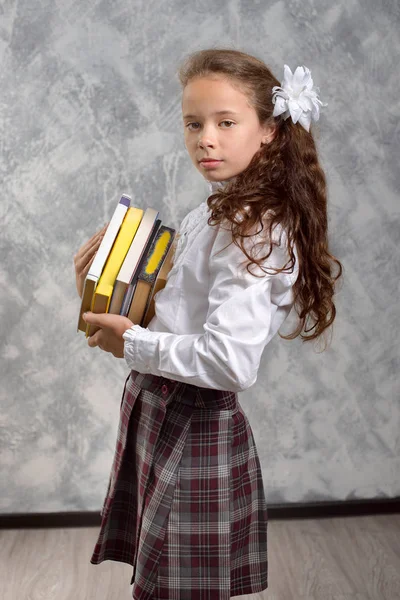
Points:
[(352, 558)]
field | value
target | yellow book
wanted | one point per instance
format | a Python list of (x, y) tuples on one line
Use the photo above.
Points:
[(104, 288)]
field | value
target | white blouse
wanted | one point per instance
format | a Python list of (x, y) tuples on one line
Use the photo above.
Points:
[(213, 319)]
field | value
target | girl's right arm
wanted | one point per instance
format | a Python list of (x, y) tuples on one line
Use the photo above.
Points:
[(85, 256), (244, 313)]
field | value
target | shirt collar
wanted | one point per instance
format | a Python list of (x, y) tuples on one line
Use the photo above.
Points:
[(213, 186)]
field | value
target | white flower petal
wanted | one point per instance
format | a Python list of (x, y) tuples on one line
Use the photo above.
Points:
[(280, 106), (287, 77), (305, 120), (298, 79), (280, 92), (307, 79), (305, 102), (295, 110), (315, 112)]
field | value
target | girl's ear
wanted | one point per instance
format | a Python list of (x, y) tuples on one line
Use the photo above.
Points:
[(269, 136)]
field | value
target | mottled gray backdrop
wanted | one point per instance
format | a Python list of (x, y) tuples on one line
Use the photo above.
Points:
[(90, 108)]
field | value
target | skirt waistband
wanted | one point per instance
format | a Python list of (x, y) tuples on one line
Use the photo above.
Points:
[(185, 393)]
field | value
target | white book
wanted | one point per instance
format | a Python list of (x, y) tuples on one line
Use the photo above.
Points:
[(100, 259)]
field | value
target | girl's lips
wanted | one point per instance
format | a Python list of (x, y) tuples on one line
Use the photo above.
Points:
[(210, 163)]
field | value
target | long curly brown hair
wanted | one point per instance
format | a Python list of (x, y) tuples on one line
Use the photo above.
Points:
[(284, 181)]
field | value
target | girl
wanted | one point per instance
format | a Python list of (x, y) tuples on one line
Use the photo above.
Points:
[(185, 504)]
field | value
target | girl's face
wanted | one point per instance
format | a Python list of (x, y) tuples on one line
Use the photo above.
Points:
[(220, 123)]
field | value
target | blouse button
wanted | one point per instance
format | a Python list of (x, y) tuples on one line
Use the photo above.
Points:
[(164, 389)]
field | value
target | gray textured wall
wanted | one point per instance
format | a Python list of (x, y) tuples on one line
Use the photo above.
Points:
[(90, 108)]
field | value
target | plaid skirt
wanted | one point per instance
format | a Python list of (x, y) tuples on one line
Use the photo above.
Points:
[(185, 504)]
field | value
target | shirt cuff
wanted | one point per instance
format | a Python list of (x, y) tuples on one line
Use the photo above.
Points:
[(139, 348)]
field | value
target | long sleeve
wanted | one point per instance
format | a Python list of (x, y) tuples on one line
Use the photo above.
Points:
[(244, 313)]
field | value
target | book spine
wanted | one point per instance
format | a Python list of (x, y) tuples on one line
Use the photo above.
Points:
[(109, 237), (127, 298)]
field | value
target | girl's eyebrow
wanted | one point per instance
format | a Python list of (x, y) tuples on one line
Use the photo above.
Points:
[(219, 112)]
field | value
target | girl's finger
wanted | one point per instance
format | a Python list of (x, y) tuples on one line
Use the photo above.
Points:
[(90, 241), (86, 252), (84, 263), (86, 269), (95, 236)]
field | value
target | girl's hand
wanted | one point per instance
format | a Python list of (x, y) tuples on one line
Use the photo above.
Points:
[(85, 256), (109, 337)]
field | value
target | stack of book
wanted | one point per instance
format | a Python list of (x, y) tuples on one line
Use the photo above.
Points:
[(131, 265)]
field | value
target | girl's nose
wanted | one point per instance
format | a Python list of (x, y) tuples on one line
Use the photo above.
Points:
[(207, 136), (205, 141)]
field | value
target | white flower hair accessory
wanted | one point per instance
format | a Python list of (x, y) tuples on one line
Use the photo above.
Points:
[(297, 98)]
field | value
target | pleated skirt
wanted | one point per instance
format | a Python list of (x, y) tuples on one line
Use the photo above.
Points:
[(185, 504)]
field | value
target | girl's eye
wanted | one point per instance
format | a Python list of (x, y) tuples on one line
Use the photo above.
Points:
[(189, 124)]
